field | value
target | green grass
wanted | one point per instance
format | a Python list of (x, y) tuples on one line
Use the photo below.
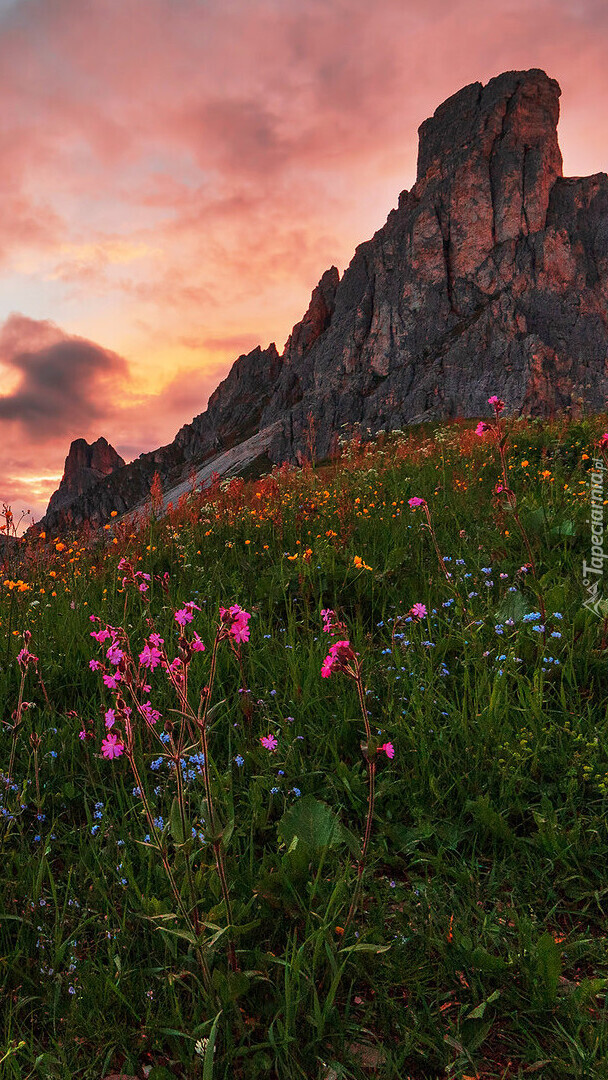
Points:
[(480, 945)]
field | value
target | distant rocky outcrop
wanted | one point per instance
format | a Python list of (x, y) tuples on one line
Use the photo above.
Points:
[(490, 276), (84, 467)]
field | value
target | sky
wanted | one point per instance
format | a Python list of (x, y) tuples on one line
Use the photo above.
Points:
[(177, 175)]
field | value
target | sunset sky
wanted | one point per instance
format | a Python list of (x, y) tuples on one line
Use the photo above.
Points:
[(177, 175)]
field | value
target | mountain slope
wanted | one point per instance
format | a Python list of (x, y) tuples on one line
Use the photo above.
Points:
[(490, 276)]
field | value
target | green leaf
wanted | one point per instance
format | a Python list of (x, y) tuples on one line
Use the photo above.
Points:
[(210, 1050), (365, 946), (313, 822), (175, 822), (513, 606), (548, 961), (564, 528), (479, 1010)]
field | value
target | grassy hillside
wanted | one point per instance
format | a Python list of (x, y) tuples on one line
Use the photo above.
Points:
[(170, 879)]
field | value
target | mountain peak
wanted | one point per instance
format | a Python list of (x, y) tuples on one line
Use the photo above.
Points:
[(490, 277), (85, 465)]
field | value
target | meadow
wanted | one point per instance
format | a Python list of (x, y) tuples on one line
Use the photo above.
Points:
[(362, 832)]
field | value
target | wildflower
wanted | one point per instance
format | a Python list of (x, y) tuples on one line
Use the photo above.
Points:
[(110, 718), (418, 611), (236, 620), (151, 715), (114, 654), (112, 681), (239, 760), (388, 749), (340, 654), (111, 747), (150, 657), (415, 502), (156, 640), (358, 561), (100, 635), (481, 428), (604, 440), (183, 616), (496, 404), (94, 665), (196, 644), (269, 742)]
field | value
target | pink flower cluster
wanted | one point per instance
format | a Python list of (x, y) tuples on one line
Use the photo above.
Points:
[(339, 656), (134, 577), (235, 622), (415, 502)]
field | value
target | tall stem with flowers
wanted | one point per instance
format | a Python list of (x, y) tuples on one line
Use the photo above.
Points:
[(128, 682), (342, 659), (500, 436)]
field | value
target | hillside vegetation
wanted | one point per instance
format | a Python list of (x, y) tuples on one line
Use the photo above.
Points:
[(363, 832)]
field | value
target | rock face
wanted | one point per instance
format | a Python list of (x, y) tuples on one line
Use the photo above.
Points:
[(491, 276), (85, 466)]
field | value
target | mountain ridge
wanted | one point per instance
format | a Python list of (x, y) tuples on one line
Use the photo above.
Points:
[(490, 276)]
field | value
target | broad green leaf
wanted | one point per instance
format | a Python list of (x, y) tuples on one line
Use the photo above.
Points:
[(312, 821), (513, 606)]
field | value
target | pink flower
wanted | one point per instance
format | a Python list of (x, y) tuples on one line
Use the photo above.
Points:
[(110, 718), (174, 666), (496, 403), (415, 502), (25, 657), (111, 747), (269, 742), (481, 428), (100, 635), (388, 748), (94, 665), (112, 681), (196, 644), (157, 640), (183, 616), (328, 616), (114, 654), (150, 657), (604, 439), (82, 734), (238, 619), (418, 611), (151, 715), (340, 654)]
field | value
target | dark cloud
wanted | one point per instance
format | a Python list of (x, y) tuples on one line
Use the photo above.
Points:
[(64, 382)]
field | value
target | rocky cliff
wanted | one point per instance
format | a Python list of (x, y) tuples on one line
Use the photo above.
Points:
[(84, 467), (490, 276)]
